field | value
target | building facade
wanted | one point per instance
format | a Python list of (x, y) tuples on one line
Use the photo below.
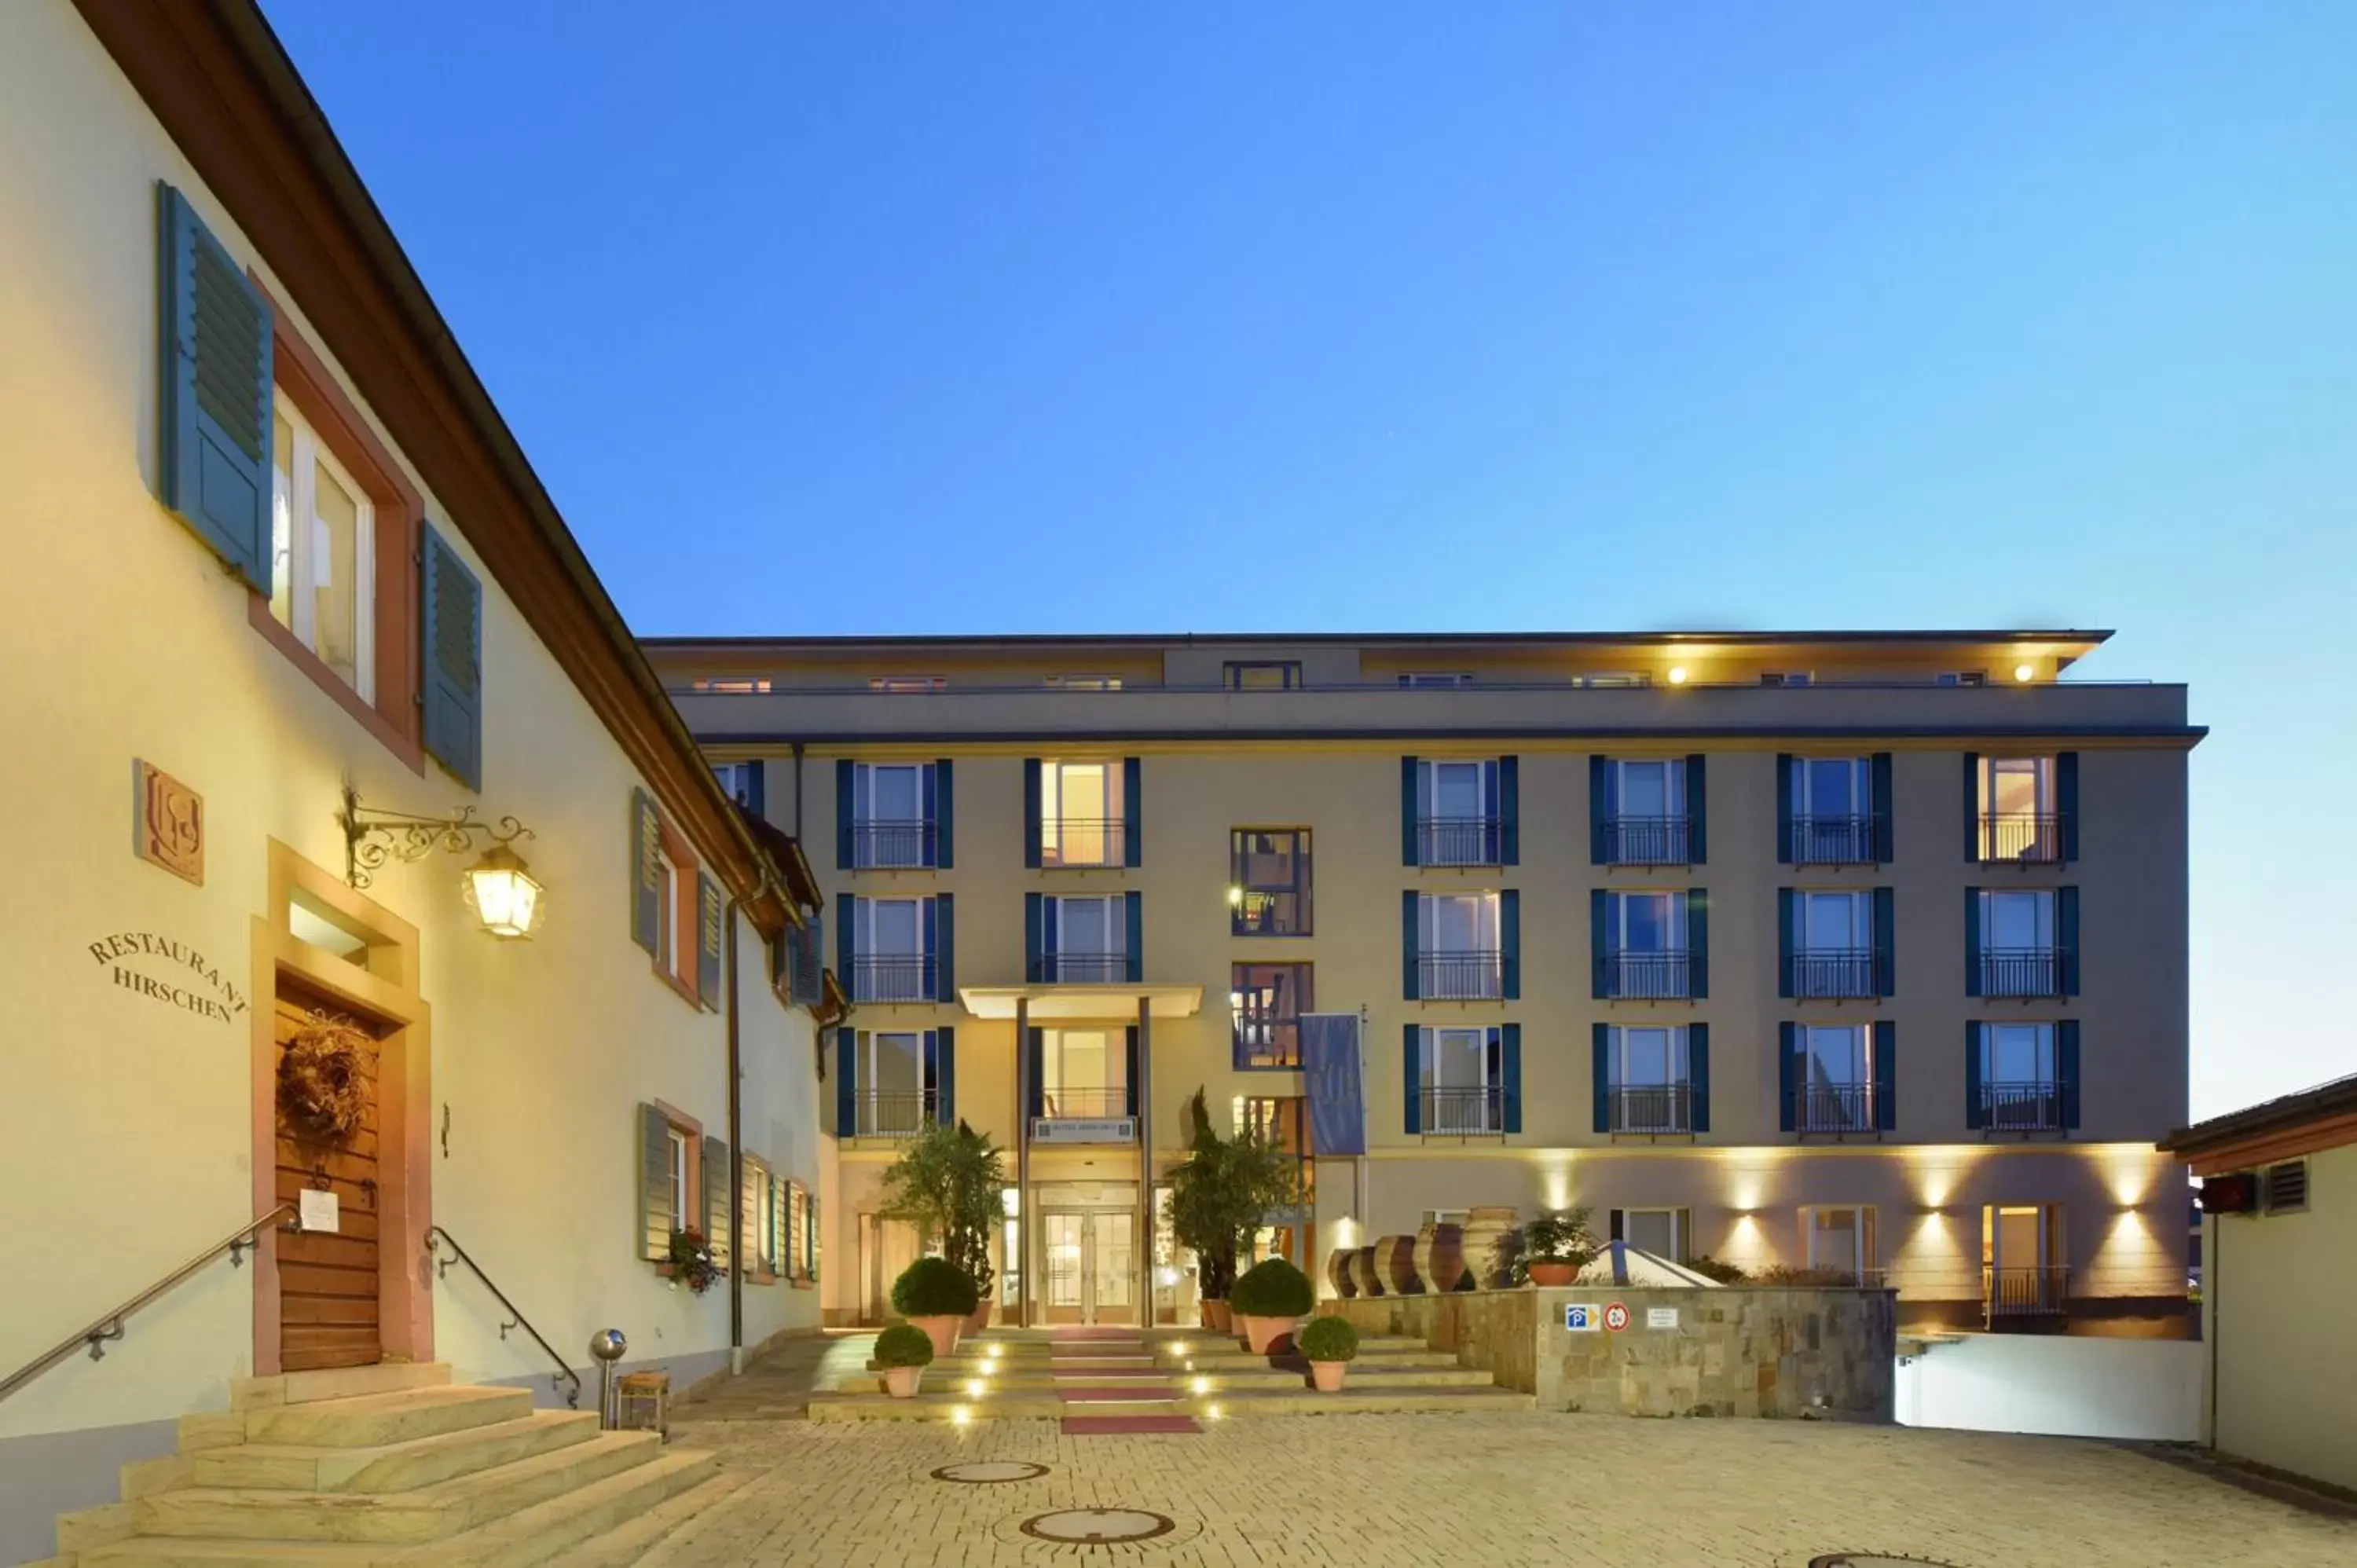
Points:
[(1858, 952), (280, 569)]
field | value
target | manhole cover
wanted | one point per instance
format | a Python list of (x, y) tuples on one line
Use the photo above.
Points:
[(1097, 1527), (987, 1472), (1873, 1560)]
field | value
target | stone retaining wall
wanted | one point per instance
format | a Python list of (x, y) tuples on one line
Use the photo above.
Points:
[(1736, 1351)]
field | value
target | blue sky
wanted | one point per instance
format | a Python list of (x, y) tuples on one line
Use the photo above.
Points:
[(1082, 317)]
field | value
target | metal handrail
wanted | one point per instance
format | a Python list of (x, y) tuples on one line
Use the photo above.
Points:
[(106, 1329), (516, 1318)]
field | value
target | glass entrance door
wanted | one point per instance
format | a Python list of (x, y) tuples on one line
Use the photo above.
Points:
[(1088, 1266)]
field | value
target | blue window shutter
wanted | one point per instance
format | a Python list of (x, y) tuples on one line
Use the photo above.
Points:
[(1510, 942), (1509, 1047), (1408, 977), (1698, 813), (2066, 1067), (1600, 921), (1886, 943), (1879, 773), (1410, 1066), (1411, 776), (944, 814), (214, 397), (1698, 1073), (1886, 1075), (2066, 801), (928, 940), (711, 928), (757, 788), (1697, 943), (1133, 915), (1129, 1043), (1599, 1074), (1133, 810), (928, 1074), (944, 907), (1787, 911), (846, 1103), (1034, 918), (1599, 810), (1976, 1114), (1788, 1073), (1051, 945), (945, 1078), (1786, 852), (1035, 1049), (646, 875), (1031, 811), (1972, 807), (1972, 942), (1510, 810), (450, 613), (847, 938), (846, 778), (2066, 935)]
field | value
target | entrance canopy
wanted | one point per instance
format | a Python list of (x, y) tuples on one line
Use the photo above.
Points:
[(1083, 1002)]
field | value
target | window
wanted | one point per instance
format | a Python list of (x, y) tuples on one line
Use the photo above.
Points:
[(1436, 677), (893, 1085), (797, 1251), (890, 959), (1460, 1079), (1787, 678), (1458, 954), (1263, 675), (1962, 678), (2018, 953), (1086, 939), (1447, 1216), (1083, 1073), (1835, 1072), (2022, 1256), (908, 683), (2020, 1078), (2018, 818), (1645, 949), (683, 1177), (1268, 875), (1661, 1231), (1833, 950), (1458, 813), (729, 686), (1833, 812), (1608, 678), (1081, 821), (895, 815), (1085, 682), (1840, 1238), (742, 781), (323, 551), (676, 911), (1267, 1001), (1645, 818), (1649, 1079)]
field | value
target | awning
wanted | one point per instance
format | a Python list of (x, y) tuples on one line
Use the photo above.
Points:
[(1620, 1265), (1095, 1002)]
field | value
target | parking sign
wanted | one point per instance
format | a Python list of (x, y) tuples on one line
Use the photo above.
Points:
[(1578, 1317)]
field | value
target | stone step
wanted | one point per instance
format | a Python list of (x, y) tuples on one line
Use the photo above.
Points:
[(372, 1420), (336, 1383), (427, 1513), (1348, 1401), (392, 1468), (1358, 1378), (624, 1546), (1226, 1359)]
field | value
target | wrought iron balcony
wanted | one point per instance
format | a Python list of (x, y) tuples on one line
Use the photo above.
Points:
[(2043, 1291), (1267, 1043), (1648, 976), (2026, 1107), (1836, 972), (891, 977), (1463, 975), (1083, 1104), (1650, 1108), (1462, 1112), (1833, 841), (892, 1113), (1460, 841), (1837, 1108), (1649, 841), (2035, 837), (882, 846), (2021, 972), (1080, 969), (1076, 842)]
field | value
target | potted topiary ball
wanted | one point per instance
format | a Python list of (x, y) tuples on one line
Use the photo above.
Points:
[(936, 1296), (1268, 1300), (1331, 1343), (904, 1352)]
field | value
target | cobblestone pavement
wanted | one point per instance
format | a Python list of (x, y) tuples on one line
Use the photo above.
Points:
[(1392, 1490)]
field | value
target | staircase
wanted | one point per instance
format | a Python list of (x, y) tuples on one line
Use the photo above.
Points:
[(393, 1465)]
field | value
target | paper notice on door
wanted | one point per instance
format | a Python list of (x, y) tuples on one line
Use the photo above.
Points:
[(318, 1211)]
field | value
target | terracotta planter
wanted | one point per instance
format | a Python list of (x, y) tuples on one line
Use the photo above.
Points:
[(1326, 1376), (975, 1321), (1263, 1335), (942, 1332), (1395, 1266), (1553, 1273), (1337, 1273), (1362, 1269), (1492, 1237), (901, 1382), (1216, 1317), (1439, 1257)]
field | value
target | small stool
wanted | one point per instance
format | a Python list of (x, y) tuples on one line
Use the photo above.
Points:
[(642, 1403)]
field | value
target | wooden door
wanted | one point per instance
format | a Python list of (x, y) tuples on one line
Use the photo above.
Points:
[(328, 1284)]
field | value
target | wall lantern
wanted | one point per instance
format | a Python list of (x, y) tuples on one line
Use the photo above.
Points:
[(503, 894)]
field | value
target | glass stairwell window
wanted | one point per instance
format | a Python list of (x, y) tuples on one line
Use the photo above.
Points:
[(1647, 823), (889, 961), (1645, 947), (2021, 1078), (1268, 886), (1834, 955), (892, 815), (2019, 817), (1080, 814), (1461, 1080), (1458, 955), (1651, 1088), (1458, 820), (1835, 1087), (892, 1095), (2020, 952), (1833, 812), (1267, 1001)]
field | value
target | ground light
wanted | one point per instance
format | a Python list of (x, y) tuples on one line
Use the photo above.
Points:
[(959, 1416), (1202, 1385)]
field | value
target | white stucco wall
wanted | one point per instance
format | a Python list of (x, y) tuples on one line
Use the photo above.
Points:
[(2141, 1388)]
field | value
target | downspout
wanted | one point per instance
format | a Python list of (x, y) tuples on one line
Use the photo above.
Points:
[(737, 902)]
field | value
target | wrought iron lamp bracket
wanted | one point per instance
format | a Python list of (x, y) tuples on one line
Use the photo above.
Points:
[(373, 838)]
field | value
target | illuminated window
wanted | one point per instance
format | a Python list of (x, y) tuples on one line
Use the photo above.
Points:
[(1269, 870), (908, 683), (323, 546), (1080, 814), (1268, 675)]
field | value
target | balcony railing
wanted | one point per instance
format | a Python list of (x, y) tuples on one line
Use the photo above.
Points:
[(892, 1113), (1647, 976), (1080, 969), (885, 845), (2041, 1292), (1268, 1043), (1836, 972), (1833, 1107), (1459, 840), (2021, 972), (2029, 1107), (1650, 1107), (891, 977), (1649, 841), (2033, 836), (1083, 1104), (1468, 974), (1071, 842), (1463, 1113), (1833, 841)]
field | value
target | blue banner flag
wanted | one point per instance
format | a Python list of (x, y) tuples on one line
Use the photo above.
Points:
[(1329, 1070)]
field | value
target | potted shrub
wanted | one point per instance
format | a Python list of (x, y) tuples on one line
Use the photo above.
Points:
[(1216, 1194), (1556, 1247), (1331, 1344), (904, 1352), (946, 1182), (936, 1296), (1270, 1298)]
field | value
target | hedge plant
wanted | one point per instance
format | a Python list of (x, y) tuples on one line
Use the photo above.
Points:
[(1329, 1339), (934, 1287), (1272, 1288), (904, 1345)]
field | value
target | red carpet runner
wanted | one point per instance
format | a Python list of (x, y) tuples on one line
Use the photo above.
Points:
[(1104, 1368)]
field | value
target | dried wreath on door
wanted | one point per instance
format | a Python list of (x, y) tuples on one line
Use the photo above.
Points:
[(323, 1077)]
